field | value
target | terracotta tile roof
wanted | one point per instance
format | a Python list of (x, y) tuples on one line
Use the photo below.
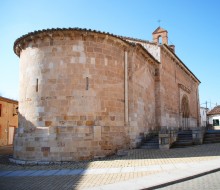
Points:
[(66, 29), (125, 38), (8, 100), (136, 40), (133, 42), (214, 111)]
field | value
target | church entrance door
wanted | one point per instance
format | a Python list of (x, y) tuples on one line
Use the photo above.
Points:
[(185, 112)]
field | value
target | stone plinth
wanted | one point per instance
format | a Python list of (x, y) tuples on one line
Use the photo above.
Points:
[(166, 138)]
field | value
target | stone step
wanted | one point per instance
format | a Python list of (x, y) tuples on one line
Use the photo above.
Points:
[(146, 143), (181, 145), (188, 140), (184, 139), (156, 141), (183, 142), (210, 142), (211, 136), (213, 132), (150, 147), (185, 132), (151, 143), (211, 139), (185, 135)]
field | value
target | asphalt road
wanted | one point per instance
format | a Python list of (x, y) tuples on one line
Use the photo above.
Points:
[(209, 182)]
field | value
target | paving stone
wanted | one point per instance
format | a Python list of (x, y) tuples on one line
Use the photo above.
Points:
[(26, 173), (62, 172), (14, 173), (75, 172), (137, 165), (38, 173), (4, 173), (50, 172), (127, 169)]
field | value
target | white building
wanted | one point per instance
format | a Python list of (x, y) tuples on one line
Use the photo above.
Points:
[(203, 116), (214, 117)]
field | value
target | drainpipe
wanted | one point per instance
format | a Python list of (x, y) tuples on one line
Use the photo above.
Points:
[(126, 86)]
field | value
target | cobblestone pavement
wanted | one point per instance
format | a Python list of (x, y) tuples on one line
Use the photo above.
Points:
[(137, 163), (210, 181)]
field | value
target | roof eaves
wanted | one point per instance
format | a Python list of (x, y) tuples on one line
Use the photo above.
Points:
[(8, 100), (67, 29), (167, 47)]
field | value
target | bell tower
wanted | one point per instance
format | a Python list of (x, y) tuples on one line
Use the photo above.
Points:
[(160, 36)]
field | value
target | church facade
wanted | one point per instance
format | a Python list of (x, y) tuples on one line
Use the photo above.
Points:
[(86, 94)]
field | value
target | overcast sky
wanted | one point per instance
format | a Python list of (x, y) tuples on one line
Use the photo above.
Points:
[(193, 27)]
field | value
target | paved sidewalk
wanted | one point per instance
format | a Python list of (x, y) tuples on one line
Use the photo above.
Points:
[(138, 170), (184, 172)]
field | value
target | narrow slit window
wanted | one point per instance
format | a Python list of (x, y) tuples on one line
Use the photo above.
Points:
[(37, 85), (0, 131), (0, 110), (87, 83)]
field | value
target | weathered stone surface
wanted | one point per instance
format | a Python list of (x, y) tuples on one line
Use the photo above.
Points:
[(73, 103)]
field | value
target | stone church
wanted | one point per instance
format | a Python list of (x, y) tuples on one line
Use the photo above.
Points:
[(86, 93)]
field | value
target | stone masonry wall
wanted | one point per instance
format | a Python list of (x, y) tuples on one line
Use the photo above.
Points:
[(141, 97), (175, 83), (76, 102), (71, 98)]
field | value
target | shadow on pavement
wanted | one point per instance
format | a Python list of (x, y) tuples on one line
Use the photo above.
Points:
[(154, 157)]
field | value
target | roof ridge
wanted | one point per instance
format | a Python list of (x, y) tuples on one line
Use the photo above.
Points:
[(158, 28)]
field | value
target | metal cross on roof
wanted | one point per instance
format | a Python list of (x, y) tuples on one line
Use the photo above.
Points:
[(159, 21)]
